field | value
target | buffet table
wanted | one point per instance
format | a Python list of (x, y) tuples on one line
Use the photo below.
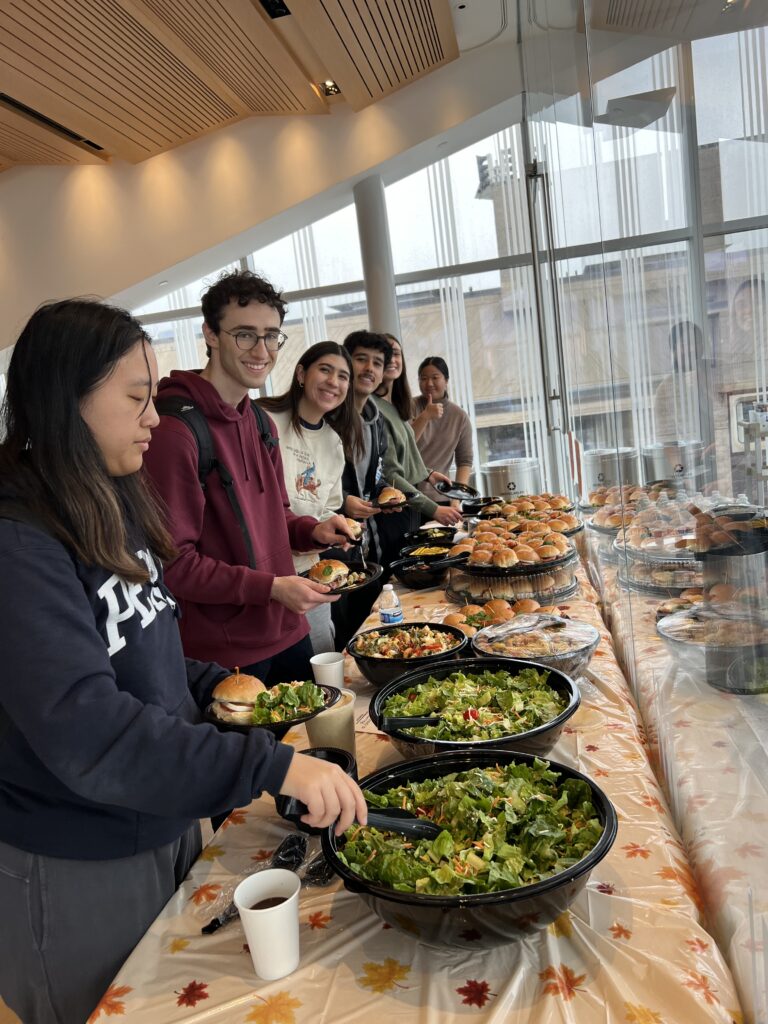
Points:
[(711, 752), (632, 948)]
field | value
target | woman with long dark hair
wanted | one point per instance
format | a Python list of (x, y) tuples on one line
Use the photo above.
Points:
[(105, 763), (403, 464), (318, 427), (442, 428)]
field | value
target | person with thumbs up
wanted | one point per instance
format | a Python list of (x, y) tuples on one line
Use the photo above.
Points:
[(443, 430)]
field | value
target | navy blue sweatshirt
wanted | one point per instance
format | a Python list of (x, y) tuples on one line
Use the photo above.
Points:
[(103, 750)]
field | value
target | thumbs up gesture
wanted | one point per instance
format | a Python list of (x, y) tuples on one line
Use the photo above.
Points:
[(433, 410)]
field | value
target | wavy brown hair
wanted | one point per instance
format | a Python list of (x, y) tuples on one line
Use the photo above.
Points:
[(50, 464), (344, 418), (401, 389)]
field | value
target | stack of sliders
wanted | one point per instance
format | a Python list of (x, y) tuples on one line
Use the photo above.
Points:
[(472, 617)]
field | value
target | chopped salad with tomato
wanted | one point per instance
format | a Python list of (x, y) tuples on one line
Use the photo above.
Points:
[(406, 642), (479, 705)]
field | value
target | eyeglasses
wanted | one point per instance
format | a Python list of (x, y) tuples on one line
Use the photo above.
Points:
[(246, 340)]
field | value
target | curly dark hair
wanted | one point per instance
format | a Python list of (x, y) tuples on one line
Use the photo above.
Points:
[(242, 287)]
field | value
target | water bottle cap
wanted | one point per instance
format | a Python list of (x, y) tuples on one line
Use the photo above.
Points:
[(387, 586)]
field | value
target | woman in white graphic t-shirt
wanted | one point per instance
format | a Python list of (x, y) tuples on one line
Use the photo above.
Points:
[(318, 428)]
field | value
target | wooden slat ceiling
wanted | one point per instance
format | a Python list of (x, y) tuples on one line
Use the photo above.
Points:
[(132, 78), (378, 46)]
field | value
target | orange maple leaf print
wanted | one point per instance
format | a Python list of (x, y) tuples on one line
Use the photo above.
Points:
[(385, 976), (261, 855), (176, 945), (205, 893), (619, 931), (636, 850), (211, 852), (111, 1003), (235, 818), (318, 919), (637, 1014), (697, 945), (276, 1009), (192, 993), (563, 982), (681, 874), (653, 802), (700, 983)]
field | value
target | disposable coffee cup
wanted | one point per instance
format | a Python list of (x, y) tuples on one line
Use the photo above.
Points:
[(328, 669), (268, 904), (335, 727)]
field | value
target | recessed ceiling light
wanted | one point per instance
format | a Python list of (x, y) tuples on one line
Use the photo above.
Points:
[(162, 282), (329, 88)]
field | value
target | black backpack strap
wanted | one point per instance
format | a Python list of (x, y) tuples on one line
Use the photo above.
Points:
[(185, 410), (265, 430)]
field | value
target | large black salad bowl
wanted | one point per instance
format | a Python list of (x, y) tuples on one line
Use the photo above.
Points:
[(381, 670), (538, 740), (484, 920)]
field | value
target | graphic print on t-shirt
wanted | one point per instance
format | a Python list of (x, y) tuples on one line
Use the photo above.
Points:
[(123, 602), (306, 482)]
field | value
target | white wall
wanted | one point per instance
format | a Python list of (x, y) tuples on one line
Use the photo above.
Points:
[(117, 230)]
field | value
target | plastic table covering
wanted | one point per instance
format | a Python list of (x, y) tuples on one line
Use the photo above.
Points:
[(631, 950), (711, 752)]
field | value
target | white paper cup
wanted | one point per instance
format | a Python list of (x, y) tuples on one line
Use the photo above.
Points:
[(272, 934), (328, 669), (335, 727)]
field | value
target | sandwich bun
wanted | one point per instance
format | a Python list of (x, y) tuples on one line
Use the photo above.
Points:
[(234, 697), (390, 496), (355, 528), (498, 606), (454, 619), (329, 571), (526, 606), (469, 609)]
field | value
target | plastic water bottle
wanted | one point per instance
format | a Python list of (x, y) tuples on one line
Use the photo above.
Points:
[(390, 610)]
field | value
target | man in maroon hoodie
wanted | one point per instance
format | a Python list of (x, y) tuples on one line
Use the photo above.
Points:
[(231, 613)]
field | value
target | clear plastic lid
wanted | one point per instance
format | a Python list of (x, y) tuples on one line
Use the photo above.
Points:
[(703, 626), (538, 635)]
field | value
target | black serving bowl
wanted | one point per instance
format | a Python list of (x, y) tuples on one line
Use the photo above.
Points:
[(431, 535), (381, 670), (278, 729), (485, 920), (419, 575), (535, 741), (290, 808), (409, 549)]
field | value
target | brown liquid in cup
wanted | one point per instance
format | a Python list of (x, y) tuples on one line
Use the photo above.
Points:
[(270, 901)]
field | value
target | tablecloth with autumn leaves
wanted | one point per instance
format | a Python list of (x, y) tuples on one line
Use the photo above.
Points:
[(710, 749), (631, 950)]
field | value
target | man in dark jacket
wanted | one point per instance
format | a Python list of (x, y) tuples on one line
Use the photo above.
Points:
[(233, 612), (361, 480)]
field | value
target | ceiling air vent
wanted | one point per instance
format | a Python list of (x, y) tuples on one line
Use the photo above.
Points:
[(9, 101)]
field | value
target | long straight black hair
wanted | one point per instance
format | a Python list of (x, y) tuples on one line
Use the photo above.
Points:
[(49, 459), (344, 419)]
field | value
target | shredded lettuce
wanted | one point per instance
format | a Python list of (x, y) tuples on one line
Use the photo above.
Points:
[(504, 826), (286, 701)]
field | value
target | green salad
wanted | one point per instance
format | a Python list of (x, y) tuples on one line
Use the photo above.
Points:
[(479, 705), (504, 826), (285, 701)]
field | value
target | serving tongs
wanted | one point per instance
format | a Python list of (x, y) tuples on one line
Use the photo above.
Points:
[(409, 721), (396, 819)]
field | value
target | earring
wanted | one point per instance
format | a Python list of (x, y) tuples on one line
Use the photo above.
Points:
[(301, 384)]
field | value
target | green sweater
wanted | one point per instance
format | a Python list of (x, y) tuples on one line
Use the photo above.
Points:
[(403, 465)]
